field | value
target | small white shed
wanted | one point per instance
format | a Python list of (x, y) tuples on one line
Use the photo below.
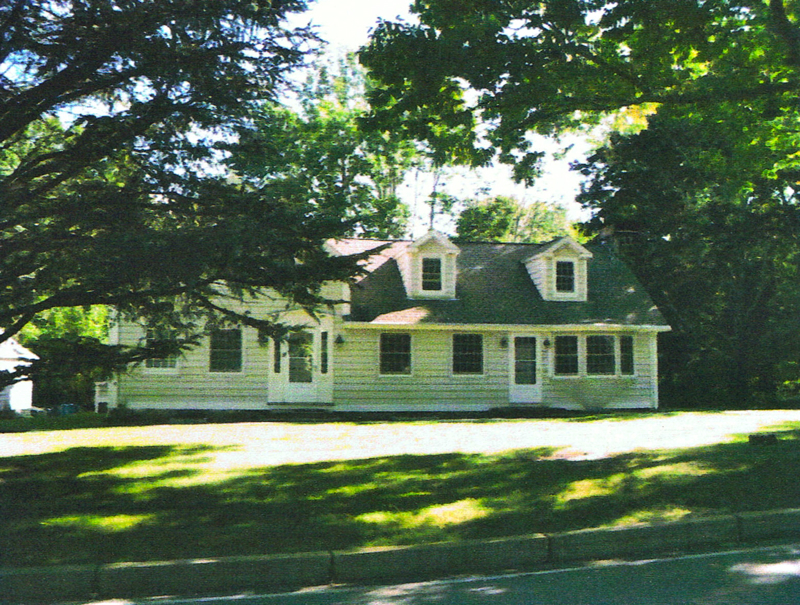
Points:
[(17, 396)]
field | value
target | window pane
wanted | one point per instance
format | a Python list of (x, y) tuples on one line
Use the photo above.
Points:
[(277, 356), (600, 355), (395, 354), (160, 363), (226, 350), (626, 355), (300, 357), (323, 353), (565, 276), (431, 274), (467, 354), (525, 360), (566, 355)]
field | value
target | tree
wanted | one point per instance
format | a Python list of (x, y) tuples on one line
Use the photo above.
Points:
[(111, 119), (504, 219), (714, 237), (66, 341), (318, 149), (702, 201), (562, 64)]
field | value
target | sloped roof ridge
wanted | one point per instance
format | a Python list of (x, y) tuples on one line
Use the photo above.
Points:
[(399, 240), (370, 239), (493, 243)]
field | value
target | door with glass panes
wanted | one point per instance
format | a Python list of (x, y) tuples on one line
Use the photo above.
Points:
[(301, 371), (524, 371)]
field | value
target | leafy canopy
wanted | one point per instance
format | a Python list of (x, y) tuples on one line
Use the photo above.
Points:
[(504, 219), (712, 232), (112, 116), (701, 197), (315, 147), (545, 67)]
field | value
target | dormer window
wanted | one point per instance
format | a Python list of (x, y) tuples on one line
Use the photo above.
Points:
[(429, 267), (560, 270), (432, 274), (565, 276)]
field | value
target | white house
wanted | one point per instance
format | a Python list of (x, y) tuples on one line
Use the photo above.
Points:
[(17, 396), (431, 326)]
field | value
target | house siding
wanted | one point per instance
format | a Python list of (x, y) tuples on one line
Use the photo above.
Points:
[(495, 299), (537, 269), (357, 384), (598, 392), (192, 386), (431, 384)]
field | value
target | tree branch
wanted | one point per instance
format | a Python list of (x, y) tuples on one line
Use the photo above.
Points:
[(786, 31), (12, 330), (7, 25)]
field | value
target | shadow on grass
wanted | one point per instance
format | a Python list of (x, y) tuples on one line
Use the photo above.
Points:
[(85, 505)]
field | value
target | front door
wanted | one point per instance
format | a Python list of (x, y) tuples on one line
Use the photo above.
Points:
[(524, 371), (301, 387)]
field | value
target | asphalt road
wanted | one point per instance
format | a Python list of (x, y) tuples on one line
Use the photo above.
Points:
[(766, 576)]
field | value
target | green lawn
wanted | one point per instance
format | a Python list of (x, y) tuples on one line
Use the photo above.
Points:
[(159, 492)]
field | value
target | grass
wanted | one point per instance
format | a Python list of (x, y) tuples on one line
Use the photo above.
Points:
[(162, 492)]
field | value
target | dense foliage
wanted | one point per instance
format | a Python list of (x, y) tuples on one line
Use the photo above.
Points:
[(111, 115), (714, 234), (315, 148), (68, 342), (504, 219), (702, 200)]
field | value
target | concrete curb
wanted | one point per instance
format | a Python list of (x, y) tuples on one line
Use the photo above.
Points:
[(43, 585), (213, 576), (441, 559), (47, 584)]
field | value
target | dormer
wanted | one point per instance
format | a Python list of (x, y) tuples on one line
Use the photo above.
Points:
[(560, 270), (428, 267)]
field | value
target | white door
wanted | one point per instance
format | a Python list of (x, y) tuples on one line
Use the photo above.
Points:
[(302, 372), (524, 371)]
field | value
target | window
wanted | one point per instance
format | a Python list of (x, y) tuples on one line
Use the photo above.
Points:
[(169, 362), (600, 355), (226, 350), (432, 274), (566, 355), (467, 354), (395, 354), (626, 355), (301, 346), (603, 356), (565, 276), (525, 360), (323, 353)]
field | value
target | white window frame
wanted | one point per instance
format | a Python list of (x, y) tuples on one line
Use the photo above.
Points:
[(574, 264), (410, 356), (242, 348), (579, 346), (441, 261), (453, 355), (583, 356), (614, 357), (167, 370)]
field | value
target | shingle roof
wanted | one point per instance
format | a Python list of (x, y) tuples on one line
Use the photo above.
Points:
[(493, 287)]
